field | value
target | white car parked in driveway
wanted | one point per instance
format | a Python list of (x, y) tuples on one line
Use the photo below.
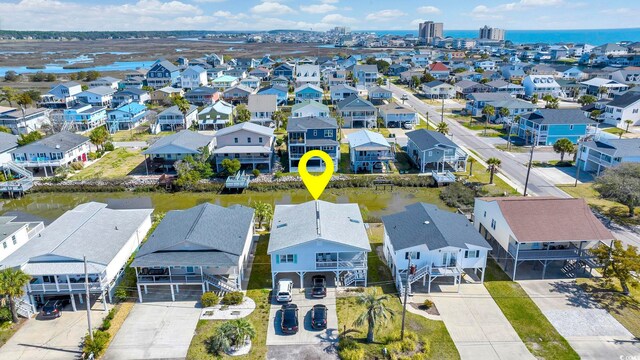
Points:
[(283, 291)]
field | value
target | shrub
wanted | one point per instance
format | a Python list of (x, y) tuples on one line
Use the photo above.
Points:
[(209, 299), (278, 175), (427, 304), (457, 194), (92, 156), (121, 294), (77, 165), (256, 172), (98, 345), (348, 349), (106, 324), (108, 146), (233, 298), (5, 315)]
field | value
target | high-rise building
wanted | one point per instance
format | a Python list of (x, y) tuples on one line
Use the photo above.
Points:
[(488, 33), (429, 30)]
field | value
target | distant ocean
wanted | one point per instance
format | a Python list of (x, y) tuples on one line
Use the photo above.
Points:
[(594, 36)]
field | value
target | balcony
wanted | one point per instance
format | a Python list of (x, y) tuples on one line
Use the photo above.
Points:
[(341, 261), (166, 279), (38, 286), (375, 158), (557, 252), (37, 162)]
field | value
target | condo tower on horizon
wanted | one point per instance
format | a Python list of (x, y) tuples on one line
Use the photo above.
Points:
[(489, 33), (429, 30)]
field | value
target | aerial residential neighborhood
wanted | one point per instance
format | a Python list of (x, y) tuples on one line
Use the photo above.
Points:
[(330, 179)]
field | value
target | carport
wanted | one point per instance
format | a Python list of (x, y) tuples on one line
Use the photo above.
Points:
[(302, 281)]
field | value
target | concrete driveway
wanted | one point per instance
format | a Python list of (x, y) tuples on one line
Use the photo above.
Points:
[(52, 339), (157, 329), (306, 334), (591, 331), (476, 324)]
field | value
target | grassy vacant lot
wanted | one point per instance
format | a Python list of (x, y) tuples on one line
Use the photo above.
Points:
[(612, 209), (432, 333), (513, 148), (141, 133), (540, 337), (626, 309), (115, 164), (258, 289), (480, 175), (345, 161)]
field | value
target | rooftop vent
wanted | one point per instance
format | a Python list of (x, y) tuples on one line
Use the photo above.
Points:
[(280, 226), (427, 222)]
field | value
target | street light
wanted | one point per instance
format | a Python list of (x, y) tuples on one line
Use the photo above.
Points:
[(533, 146), (578, 154)]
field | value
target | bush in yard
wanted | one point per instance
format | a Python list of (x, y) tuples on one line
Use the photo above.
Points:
[(348, 349), (233, 298), (427, 304), (121, 294), (5, 315), (209, 299), (256, 172), (77, 165), (457, 195), (106, 324), (92, 156), (98, 345), (108, 146), (278, 175)]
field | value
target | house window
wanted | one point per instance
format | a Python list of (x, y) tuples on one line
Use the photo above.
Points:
[(287, 259), (315, 132), (235, 140), (472, 254), (249, 140), (493, 224), (328, 133), (414, 255), (571, 127), (4, 244), (260, 140), (430, 153), (635, 111), (13, 239), (485, 213)]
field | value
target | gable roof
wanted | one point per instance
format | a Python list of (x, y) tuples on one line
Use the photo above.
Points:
[(262, 102), (438, 66), (166, 64), (377, 89), (187, 140), (539, 219), (8, 141), (396, 108), (311, 122), (99, 90), (308, 86), (427, 139), (489, 96), (311, 103), (365, 137), (249, 126), (616, 147), (206, 234), (62, 141), (558, 116), (219, 106), (294, 225), (354, 101), (174, 110), (426, 224), (625, 100), (279, 88), (202, 90)]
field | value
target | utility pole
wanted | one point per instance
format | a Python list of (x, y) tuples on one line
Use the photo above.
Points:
[(88, 299), (578, 162), (442, 111), (526, 181), (406, 291)]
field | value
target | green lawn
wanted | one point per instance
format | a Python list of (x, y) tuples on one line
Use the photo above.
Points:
[(115, 164), (258, 289), (615, 210), (480, 175), (140, 133), (345, 161), (614, 130), (432, 333), (6, 331), (626, 309), (513, 148), (537, 333)]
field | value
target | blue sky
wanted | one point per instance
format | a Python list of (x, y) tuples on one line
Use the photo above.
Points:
[(313, 14)]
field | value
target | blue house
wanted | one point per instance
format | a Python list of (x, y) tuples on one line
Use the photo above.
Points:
[(309, 92), (313, 133), (369, 151), (162, 73), (546, 126), (126, 117), (281, 92), (84, 117), (284, 70)]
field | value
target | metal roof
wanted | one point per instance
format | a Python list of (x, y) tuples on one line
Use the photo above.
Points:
[(62, 141), (188, 141), (366, 137)]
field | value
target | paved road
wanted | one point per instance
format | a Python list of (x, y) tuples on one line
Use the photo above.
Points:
[(476, 324), (513, 165)]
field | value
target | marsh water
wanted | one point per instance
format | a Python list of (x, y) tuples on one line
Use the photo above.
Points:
[(373, 203)]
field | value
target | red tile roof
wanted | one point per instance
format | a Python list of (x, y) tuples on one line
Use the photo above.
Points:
[(544, 219), (438, 67)]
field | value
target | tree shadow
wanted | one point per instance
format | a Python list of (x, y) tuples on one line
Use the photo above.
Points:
[(575, 294)]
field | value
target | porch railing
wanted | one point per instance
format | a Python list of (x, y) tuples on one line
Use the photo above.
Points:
[(350, 264), (181, 279)]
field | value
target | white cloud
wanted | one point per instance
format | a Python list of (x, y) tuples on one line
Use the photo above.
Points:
[(385, 15), (222, 13), (429, 10), (329, 1), (318, 8), (619, 11), (209, 1), (338, 19), (271, 7)]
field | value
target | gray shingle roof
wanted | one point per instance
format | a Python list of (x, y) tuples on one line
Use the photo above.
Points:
[(206, 234), (625, 100), (89, 229), (294, 225), (489, 96), (174, 110), (558, 116), (354, 102), (426, 224), (7, 142), (427, 139), (262, 102), (311, 122), (62, 141), (246, 126), (616, 147), (187, 140)]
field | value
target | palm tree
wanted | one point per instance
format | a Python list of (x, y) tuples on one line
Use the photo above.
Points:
[(263, 210), (279, 118), (534, 99), (8, 94), (12, 284), (563, 146), (602, 90), (471, 161), (628, 122), (231, 334), (183, 105), (24, 100), (504, 113), (340, 122), (516, 121), (488, 111), (376, 312), (494, 164), (442, 127), (99, 136)]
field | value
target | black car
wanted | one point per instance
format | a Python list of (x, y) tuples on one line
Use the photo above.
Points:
[(319, 316), (319, 289), (289, 323), (52, 308)]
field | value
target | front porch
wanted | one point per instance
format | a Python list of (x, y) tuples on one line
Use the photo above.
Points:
[(349, 268), (42, 287)]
